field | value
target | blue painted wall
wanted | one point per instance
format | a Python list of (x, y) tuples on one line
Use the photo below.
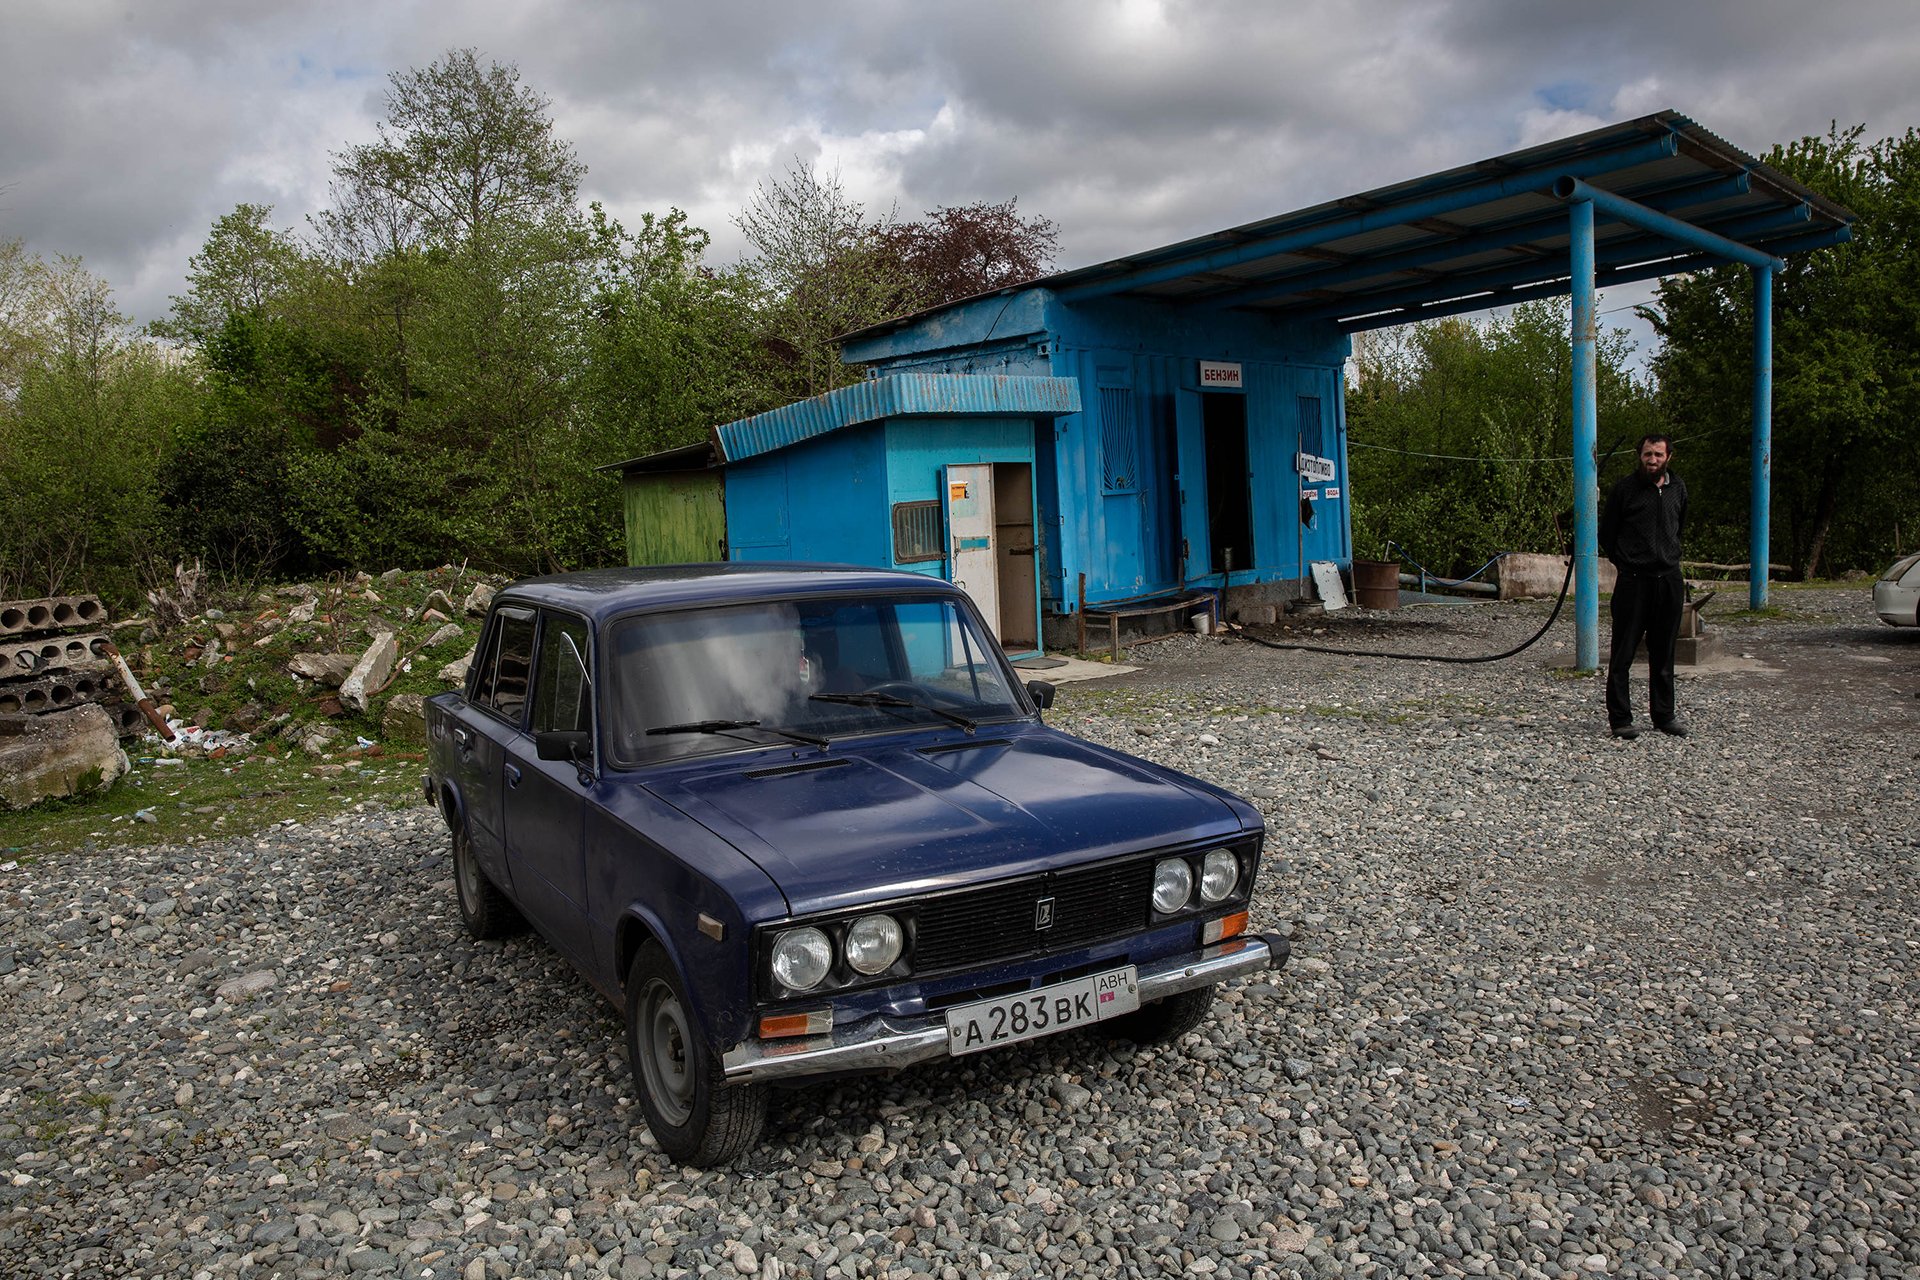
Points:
[(1142, 359), (825, 500)]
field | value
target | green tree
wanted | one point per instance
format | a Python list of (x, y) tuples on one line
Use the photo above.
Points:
[(1846, 371), (1460, 434), (82, 441), (820, 267)]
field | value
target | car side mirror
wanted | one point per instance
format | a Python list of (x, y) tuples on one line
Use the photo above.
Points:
[(1041, 692), (564, 744)]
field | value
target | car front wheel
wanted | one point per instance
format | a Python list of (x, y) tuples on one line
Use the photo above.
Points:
[(696, 1116), (1163, 1020)]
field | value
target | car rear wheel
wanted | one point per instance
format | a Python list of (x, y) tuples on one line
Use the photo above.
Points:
[(1163, 1020), (483, 908), (696, 1116)]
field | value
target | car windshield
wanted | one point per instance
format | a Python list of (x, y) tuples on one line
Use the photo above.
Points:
[(698, 681)]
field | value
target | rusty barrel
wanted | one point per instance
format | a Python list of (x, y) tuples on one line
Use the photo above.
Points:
[(1376, 584)]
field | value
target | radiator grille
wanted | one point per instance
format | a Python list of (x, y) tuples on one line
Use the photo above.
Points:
[(996, 923)]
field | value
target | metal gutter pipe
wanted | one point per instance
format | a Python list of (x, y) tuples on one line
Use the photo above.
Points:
[(1390, 216), (1572, 190), (1586, 428), (1759, 532)]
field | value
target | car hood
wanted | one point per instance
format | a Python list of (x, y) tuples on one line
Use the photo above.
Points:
[(906, 817)]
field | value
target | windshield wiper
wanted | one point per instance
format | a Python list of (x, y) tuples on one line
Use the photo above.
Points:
[(722, 726), (891, 700)]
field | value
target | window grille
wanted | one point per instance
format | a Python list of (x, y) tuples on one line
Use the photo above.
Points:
[(917, 532), (1119, 441), (1311, 437)]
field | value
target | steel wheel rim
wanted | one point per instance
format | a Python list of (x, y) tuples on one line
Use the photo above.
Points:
[(666, 1053), (466, 875)]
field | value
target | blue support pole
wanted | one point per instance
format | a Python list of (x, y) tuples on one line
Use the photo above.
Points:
[(1759, 545), (1586, 429)]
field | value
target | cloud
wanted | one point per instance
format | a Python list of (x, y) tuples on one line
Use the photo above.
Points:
[(1131, 123)]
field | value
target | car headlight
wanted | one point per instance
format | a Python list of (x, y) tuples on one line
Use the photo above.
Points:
[(1219, 873), (1172, 883), (801, 958), (873, 943)]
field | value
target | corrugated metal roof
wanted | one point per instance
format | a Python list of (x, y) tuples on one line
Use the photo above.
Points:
[(899, 395), (1313, 263)]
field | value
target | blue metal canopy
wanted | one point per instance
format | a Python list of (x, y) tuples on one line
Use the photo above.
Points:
[(1478, 236)]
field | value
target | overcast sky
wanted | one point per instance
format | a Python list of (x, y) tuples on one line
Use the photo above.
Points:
[(127, 126)]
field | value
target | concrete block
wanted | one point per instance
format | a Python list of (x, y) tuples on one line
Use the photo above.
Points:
[(66, 753), (50, 613), (370, 672), (55, 692), (1527, 575), (328, 669), (405, 719), (455, 672), (31, 657)]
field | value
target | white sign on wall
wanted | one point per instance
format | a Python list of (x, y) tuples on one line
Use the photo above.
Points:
[(1218, 376), (1312, 469)]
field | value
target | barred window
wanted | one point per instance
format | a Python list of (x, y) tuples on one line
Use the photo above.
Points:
[(1119, 441), (916, 532), (1312, 438)]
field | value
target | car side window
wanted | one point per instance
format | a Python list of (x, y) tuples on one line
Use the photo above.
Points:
[(502, 686), (562, 694)]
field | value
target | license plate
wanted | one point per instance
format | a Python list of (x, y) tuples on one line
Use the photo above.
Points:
[(986, 1024)]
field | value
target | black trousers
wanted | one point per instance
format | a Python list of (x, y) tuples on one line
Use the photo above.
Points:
[(1645, 607)]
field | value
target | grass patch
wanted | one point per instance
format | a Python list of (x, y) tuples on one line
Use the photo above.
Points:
[(206, 799)]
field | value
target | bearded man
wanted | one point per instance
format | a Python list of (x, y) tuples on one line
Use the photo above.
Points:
[(1640, 532)]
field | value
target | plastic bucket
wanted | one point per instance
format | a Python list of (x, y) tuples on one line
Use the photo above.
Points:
[(1376, 584)]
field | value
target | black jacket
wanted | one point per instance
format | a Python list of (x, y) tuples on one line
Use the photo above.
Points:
[(1641, 527)]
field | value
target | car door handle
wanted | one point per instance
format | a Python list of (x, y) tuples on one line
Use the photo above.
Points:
[(463, 738), (513, 776)]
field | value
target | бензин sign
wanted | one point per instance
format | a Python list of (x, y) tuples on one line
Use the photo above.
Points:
[(1217, 376)]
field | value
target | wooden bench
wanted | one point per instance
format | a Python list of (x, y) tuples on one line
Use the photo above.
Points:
[(1186, 601)]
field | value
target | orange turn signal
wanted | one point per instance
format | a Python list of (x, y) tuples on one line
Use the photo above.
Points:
[(813, 1023), (1226, 927)]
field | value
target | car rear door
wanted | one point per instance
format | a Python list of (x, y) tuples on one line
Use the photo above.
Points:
[(545, 800), (484, 723)]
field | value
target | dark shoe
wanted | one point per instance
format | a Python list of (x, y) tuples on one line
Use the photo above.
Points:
[(1627, 730), (1672, 728)]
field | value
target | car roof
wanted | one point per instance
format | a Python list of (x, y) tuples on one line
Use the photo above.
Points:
[(604, 593)]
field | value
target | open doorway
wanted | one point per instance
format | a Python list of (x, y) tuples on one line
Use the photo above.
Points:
[(1014, 553), (1229, 491)]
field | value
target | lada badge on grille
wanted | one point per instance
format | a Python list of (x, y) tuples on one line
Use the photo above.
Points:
[(1043, 914)]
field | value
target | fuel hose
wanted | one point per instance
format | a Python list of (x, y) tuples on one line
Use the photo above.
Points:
[(1522, 647)]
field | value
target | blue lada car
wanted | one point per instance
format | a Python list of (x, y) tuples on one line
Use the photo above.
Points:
[(804, 820)]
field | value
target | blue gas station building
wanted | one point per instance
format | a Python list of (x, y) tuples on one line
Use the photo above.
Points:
[(1173, 422)]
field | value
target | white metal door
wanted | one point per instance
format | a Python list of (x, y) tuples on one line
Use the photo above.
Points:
[(970, 525)]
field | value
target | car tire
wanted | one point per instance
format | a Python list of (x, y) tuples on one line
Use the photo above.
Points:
[(695, 1115), (483, 908), (1164, 1020)]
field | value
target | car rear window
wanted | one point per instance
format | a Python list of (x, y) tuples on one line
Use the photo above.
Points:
[(1900, 567)]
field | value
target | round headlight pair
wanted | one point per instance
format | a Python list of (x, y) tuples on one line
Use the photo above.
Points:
[(1173, 880), (802, 958)]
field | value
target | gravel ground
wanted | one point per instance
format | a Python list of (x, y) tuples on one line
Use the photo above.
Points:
[(1560, 1004)]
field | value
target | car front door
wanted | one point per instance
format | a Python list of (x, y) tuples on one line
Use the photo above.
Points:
[(545, 800)]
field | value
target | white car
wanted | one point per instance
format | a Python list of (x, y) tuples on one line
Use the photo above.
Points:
[(1896, 597)]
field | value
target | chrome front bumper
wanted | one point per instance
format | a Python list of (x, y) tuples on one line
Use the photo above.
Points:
[(889, 1042)]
